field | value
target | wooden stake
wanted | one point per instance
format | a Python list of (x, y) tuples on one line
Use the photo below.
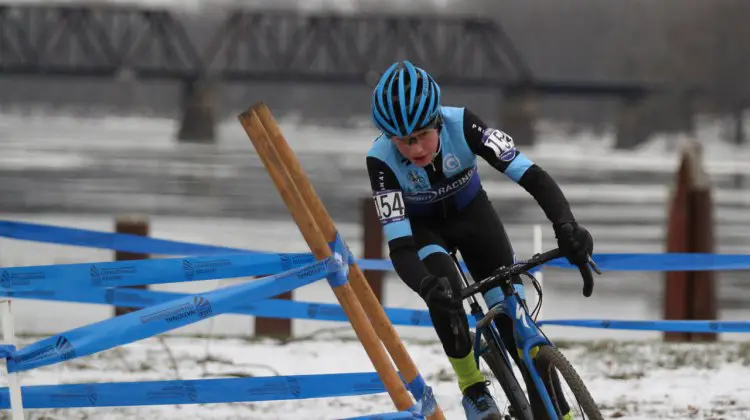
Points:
[(372, 241), (383, 327), (133, 225), (320, 248), (690, 228)]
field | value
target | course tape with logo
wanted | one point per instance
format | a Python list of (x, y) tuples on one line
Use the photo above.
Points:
[(162, 317), (141, 244), (290, 309), (267, 308), (144, 272), (107, 240), (200, 391)]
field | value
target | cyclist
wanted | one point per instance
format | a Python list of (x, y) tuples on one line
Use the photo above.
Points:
[(425, 184)]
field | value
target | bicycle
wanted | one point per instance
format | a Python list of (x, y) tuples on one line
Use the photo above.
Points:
[(527, 335)]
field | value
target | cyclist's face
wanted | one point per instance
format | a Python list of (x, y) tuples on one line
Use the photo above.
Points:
[(419, 147)]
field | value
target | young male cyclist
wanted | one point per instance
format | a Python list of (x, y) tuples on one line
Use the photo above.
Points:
[(426, 187)]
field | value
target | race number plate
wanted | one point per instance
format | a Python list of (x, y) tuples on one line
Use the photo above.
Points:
[(390, 206)]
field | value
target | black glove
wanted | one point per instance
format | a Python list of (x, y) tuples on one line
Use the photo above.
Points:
[(575, 242), (437, 293)]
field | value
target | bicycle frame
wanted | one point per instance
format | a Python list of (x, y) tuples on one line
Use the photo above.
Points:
[(527, 336), (525, 332)]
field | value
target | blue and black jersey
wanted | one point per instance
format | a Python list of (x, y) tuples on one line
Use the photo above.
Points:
[(442, 190)]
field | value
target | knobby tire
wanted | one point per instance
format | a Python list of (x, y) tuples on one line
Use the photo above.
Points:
[(550, 357), (506, 378)]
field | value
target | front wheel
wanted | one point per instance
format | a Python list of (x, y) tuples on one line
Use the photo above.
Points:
[(548, 362), (504, 375)]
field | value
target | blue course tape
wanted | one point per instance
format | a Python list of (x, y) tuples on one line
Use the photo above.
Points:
[(159, 271), (267, 308), (142, 272), (664, 262), (666, 325), (289, 309), (160, 318), (106, 240), (342, 254), (375, 265), (390, 416), (6, 350), (387, 265), (202, 391), (423, 394), (135, 243)]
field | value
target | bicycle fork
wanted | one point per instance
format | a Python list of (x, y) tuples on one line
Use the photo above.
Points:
[(528, 335)]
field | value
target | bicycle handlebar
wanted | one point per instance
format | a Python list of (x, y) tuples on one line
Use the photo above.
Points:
[(522, 267)]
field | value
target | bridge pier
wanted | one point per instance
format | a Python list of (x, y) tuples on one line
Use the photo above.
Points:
[(518, 116), (198, 112)]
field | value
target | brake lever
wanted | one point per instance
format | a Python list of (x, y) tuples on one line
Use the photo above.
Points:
[(588, 278), (593, 266)]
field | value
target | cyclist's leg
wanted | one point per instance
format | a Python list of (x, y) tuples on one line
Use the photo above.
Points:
[(452, 327), (456, 344), (485, 246)]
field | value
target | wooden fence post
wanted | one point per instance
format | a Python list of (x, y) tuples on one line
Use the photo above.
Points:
[(372, 236), (702, 295), (274, 327), (690, 294), (133, 225), (676, 282)]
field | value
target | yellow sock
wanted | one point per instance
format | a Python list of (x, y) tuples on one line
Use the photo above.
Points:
[(467, 371), (568, 416)]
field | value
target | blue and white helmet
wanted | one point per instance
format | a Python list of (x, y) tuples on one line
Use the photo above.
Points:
[(405, 99)]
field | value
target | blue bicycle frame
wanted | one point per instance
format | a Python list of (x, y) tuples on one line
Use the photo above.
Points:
[(525, 331), (502, 298)]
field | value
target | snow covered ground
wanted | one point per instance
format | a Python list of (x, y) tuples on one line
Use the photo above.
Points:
[(645, 380)]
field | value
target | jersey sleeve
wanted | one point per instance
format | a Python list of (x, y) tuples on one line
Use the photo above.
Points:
[(388, 199), (495, 147), (389, 202), (499, 150)]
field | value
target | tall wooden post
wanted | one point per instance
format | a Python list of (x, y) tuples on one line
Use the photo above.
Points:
[(702, 298), (372, 236), (261, 134), (676, 282), (274, 327), (690, 229), (364, 294), (133, 225)]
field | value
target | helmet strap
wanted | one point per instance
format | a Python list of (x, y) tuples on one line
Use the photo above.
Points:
[(439, 128)]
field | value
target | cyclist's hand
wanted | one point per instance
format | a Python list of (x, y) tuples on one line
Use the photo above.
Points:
[(437, 293), (575, 243)]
